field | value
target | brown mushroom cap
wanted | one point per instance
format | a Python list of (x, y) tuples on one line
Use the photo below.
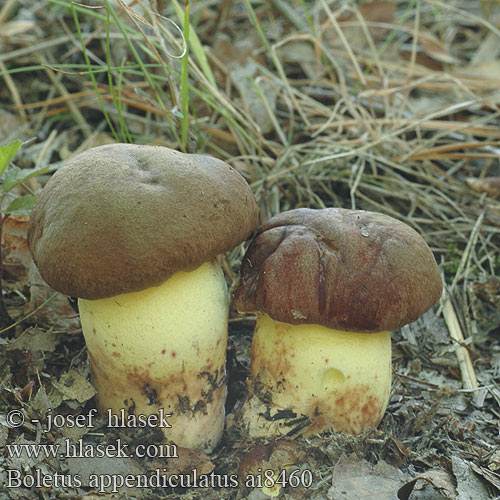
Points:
[(349, 270), (122, 218)]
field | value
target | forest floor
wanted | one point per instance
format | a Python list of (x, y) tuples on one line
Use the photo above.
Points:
[(385, 106)]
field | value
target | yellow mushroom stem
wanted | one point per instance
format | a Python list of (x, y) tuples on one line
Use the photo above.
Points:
[(339, 380), (164, 348)]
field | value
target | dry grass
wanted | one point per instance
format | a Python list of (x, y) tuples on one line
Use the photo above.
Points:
[(385, 106)]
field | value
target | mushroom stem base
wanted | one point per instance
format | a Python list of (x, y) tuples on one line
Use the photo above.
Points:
[(308, 378), (164, 347)]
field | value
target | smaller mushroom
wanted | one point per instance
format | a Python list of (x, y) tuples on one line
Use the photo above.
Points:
[(266, 467), (328, 286)]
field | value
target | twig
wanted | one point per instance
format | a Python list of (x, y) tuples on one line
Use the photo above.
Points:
[(469, 380)]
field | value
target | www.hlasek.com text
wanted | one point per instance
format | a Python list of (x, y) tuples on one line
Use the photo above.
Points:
[(80, 449)]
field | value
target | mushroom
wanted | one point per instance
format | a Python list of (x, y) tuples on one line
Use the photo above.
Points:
[(328, 286), (133, 232), (263, 465)]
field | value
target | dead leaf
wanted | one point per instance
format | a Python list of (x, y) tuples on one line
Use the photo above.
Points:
[(20, 273), (11, 127), (439, 479), (492, 215), (42, 402), (302, 52), (73, 385), (15, 252), (241, 64), (108, 469), (469, 486), (489, 185), (492, 477), (435, 49), (58, 313), (374, 14), (354, 479), (421, 58), (380, 12), (489, 70), (35, 340), (494, 463), (488, 50), (235, 54)]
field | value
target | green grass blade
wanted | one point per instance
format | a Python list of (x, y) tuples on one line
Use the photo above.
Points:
[(124, 132), (184, 80), (196, 46), (257, 25), (8, 153), (91, 73), (150, 80)]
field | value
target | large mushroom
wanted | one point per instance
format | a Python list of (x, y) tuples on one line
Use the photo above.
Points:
[(328, 286), (134, 232)]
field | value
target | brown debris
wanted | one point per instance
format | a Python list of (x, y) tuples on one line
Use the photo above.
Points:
[(488, 185)]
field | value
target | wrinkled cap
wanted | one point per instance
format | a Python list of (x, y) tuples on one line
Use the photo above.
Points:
[(122, 218), (349, 270)]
